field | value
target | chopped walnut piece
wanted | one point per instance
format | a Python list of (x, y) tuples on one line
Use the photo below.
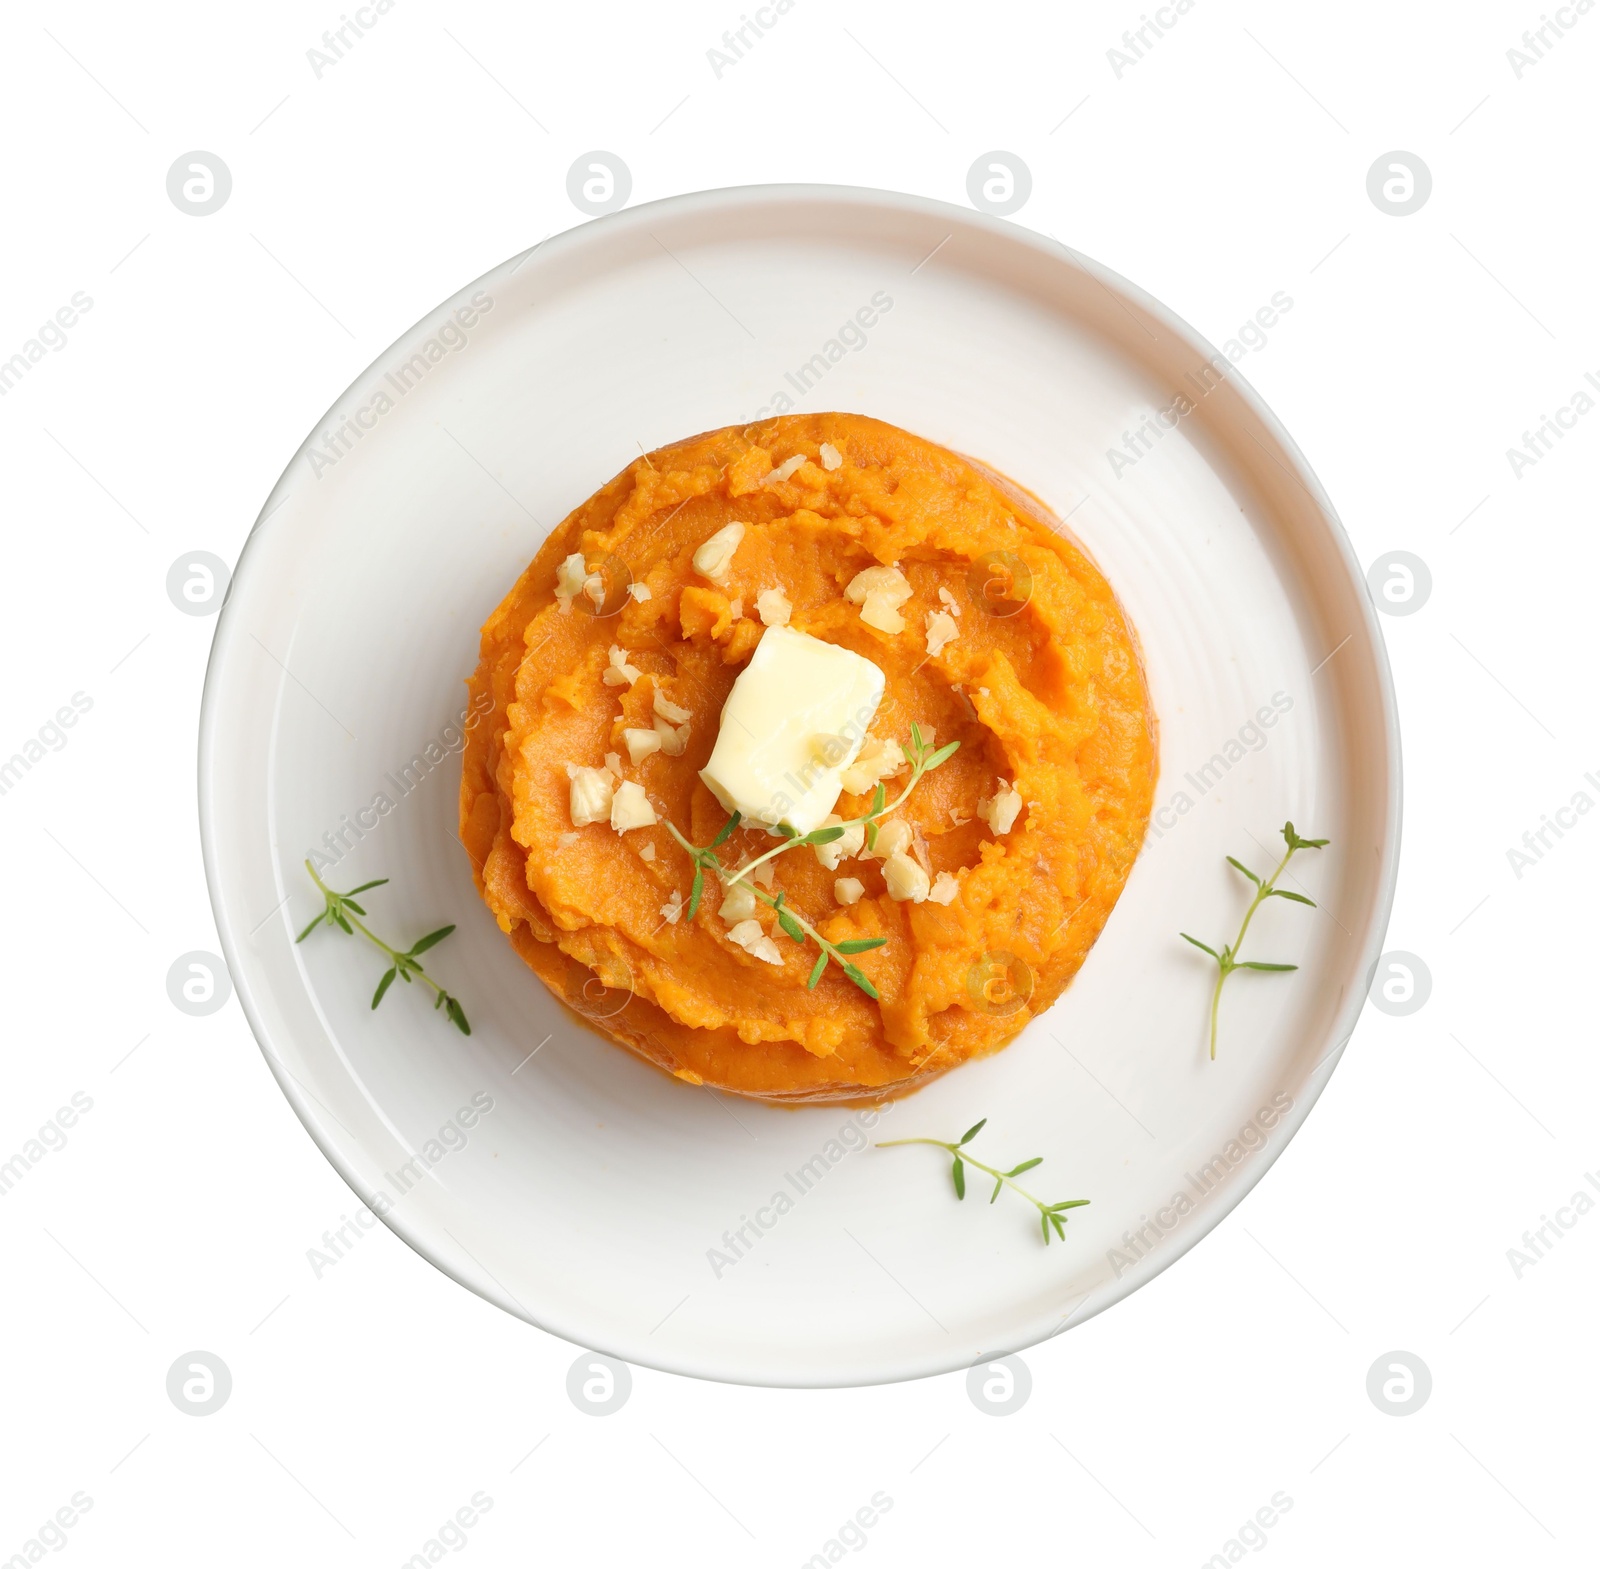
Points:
[(631, 808), (848, 843), (785, 469), (1000, 810), (738, 904), (570, 576), (714, 559), (668, 710), (877, 759), (905, 879), (755, 942), (640, 744), (618, 671), (941, 629), (773, 606), (880, 591), (589, 800)]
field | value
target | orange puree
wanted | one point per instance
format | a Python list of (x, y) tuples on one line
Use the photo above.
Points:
[(1042, 686)]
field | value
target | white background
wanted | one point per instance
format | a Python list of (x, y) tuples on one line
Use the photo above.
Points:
[(369, 1404)]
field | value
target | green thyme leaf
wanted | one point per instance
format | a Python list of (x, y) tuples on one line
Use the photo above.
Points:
[(861, 981), (383, 986), (422, 944), (342, 910), (1049, 1214), (1295, 842), (1267, 888), (705, 859)]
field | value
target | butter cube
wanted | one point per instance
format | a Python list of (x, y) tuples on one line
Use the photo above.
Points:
[(765, 764)]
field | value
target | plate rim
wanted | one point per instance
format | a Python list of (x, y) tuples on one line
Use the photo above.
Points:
[(1346, 1015)]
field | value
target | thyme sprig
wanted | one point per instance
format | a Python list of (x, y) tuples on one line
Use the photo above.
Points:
[(341, 910), (792, 923), (923, 759), (1228, 959), (961, 1157)]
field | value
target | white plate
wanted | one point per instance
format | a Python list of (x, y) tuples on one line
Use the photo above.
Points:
[(590, 1197)]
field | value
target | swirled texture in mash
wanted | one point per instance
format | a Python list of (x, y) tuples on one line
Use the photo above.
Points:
[(1037, 818)]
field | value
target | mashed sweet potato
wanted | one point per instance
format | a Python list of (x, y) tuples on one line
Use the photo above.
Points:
[(1037, 818)]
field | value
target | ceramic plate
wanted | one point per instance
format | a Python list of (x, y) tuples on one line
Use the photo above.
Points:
[(553, 1173)]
